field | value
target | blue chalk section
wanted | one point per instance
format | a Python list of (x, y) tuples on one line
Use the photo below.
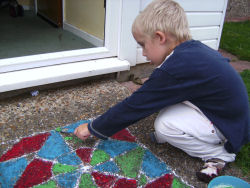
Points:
[(53, 147), (69, 159), (71, 128), (109, 166), (114, 148), (152, 166), (68, 180), (10, 172)]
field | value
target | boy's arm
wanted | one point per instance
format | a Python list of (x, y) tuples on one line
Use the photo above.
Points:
[(159, 91)]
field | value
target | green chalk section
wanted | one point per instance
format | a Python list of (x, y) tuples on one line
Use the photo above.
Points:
[(99, 156), (178, 184), (130, 163), (49, 184), (77, 140), (86, 181), (60, 168), (142, 180), (58, 129), (68, 138)]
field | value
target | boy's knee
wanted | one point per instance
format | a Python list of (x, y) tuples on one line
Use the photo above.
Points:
[(158, 124), (163, 131), (166, 125), (161, 125)]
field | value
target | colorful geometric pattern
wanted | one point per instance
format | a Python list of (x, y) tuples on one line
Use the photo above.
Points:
[(56, 159)]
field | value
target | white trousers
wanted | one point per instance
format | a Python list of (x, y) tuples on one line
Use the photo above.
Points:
[(184, 126)]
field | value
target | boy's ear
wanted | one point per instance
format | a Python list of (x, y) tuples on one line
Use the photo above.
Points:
[(161, 37)]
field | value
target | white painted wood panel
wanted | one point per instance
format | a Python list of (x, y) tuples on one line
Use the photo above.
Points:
[(141, 59), (211, 43), (204, 19), (195, 5), (128, 46), (202, 5), (205, 33)]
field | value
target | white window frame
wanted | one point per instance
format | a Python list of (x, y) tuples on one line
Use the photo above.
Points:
[(110, 49)]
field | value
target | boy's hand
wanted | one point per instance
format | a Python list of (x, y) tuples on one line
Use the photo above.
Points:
[(82, 131)]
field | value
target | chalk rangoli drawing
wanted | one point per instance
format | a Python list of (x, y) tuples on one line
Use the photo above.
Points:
[(55, 159)]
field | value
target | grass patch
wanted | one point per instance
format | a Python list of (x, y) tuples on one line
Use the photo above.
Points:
[(246, 78), (243, 157), (236, 39)]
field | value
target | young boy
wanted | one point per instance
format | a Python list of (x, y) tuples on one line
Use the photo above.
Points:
[(202, 100)]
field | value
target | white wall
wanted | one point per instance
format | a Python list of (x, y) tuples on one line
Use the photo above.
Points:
[(205, 18)]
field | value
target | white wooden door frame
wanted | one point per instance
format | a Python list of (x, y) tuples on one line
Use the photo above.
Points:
[(128, 45), (110, 49)]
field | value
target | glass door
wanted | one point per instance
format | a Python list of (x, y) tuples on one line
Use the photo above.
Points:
[(77, 18)]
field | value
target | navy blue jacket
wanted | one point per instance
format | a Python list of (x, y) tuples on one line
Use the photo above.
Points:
[(195, 73)]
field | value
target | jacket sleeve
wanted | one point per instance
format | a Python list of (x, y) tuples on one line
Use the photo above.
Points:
[(159, 91)]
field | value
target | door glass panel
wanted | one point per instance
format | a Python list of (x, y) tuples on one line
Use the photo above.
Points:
[(58, 27)]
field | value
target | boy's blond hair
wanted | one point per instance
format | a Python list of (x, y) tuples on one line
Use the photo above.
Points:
[(163, 15)]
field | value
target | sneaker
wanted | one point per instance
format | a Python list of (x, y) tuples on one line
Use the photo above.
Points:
[(211, 169)]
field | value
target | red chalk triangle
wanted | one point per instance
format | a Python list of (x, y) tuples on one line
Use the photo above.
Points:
[(84, 154), (38, 171), (25, 146), (125, 183), (163, 182), (104, 181), (124, 135)]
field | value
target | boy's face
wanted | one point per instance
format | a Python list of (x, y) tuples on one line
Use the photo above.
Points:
[(153, 48)]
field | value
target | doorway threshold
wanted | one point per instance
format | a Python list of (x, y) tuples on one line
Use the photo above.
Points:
[(58, 73)]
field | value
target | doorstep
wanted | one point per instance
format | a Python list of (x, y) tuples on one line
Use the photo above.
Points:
[(58, 73)]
